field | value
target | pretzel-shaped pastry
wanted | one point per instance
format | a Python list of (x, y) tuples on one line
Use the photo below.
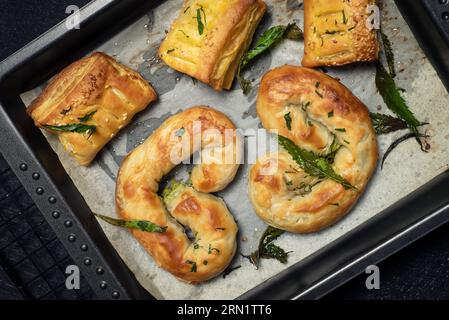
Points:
[(323, 117), (207, 216)]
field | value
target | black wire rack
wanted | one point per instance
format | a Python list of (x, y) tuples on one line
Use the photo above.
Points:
[(32, 259)]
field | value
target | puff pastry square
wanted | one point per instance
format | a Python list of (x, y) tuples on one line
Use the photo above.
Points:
[(209, 37), (96, 91), (335, 33)]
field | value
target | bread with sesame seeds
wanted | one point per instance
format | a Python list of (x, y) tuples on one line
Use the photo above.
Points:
[(338, 32)]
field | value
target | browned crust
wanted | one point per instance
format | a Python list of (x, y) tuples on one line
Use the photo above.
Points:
[(234, 27), (95, 83), (353, 43), (287, 87), (136, 198)]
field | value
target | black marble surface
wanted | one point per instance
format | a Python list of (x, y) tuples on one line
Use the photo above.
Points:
[(421, 271)]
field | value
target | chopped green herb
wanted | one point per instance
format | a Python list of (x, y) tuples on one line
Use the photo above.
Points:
[(199, 21), (317, 84), (331, 32), (88, 116), (193, 263), (210, 250), (346, 141), (221, 229), (319, 94), (334, 204), (313, 164), (142, 225), (76, 127), (352, 28), (185, 34), (180, 132), (345, 20), (288, 121), (170, 50), (330, 114), (205, 262), (340, 129), (186, 9)]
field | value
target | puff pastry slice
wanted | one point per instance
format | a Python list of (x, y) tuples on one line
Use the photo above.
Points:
[(89, 102), (336, 33), (208, 38)]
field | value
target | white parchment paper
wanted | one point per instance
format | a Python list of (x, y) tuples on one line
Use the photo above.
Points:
[(406, 169)]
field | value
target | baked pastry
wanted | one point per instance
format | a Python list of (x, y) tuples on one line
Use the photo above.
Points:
[(211, 223), (209, 37), (335, 33), (89, 102), (325, 118)]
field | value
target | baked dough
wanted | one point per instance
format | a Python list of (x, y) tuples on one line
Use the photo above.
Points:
[(98, 85), (211, 223), (335, 33), (213, 56), (321, 110)]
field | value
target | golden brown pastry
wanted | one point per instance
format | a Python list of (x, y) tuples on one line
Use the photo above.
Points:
[(325, 117), (335, 33), (89, 102), (211, 223), (209, 37)]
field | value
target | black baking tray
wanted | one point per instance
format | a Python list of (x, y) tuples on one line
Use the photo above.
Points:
[(41, 173)]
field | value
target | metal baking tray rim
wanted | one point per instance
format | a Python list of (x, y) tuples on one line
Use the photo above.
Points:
[(414, 216)]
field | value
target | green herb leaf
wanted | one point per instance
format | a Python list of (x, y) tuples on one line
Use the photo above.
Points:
[(394, 101), (193, 263), (180, 132), (330, 114), (199, 21), (293, 32), (141, 225), (230, 269), (313, 164), (88, 116), (266, 41), (384, 123), (210, 250), (345, 20), (397, 142), (75, 127), (267, 249), (340, 129), (389, 55), (288, 121)]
